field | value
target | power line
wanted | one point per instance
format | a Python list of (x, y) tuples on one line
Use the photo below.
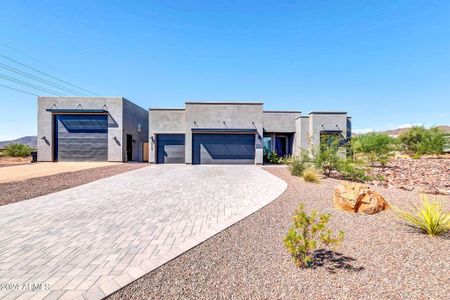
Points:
[(48, 75), (43, 89), (20, 72), (18, 90)]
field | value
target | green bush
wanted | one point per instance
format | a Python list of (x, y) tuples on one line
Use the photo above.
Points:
[(17, 150), (307, 233), (418, 141), (430, 217), (327, 159), (375, 147), (297, 166), (353, 172), (273, 158)]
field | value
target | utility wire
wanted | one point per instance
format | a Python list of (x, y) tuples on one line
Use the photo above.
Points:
[(31, 76), (48, 75), (43, 89), (18, 90)]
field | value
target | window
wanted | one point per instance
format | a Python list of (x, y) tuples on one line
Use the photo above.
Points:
[(267, 144)]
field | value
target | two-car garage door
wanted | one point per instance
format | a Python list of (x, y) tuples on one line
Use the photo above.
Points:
[(214, 148), (207, 148)]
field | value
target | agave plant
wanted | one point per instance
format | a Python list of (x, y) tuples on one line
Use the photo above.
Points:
[(430, 217)]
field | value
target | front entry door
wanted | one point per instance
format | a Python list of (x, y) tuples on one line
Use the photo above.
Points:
[(129, 147)]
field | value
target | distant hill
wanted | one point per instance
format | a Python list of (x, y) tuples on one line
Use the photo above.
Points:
[(398, 131), (27, 140)]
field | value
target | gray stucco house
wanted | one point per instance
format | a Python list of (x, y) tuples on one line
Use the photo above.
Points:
[(91, 129), (115, 129), (236, 132)]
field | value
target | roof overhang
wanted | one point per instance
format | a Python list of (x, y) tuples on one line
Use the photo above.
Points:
[(76, 111), (224, 130)]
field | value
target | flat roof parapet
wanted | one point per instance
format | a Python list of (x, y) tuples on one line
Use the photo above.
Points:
[(223, 103), (327, 113), (161, 109)]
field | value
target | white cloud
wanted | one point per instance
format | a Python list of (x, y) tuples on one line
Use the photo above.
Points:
[(409, 125), (363, 131)]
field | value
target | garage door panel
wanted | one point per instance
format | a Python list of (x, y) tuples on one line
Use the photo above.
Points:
[(223, 148), (81, 137), (170, 148)]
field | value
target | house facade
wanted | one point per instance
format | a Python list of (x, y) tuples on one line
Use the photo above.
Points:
[(236, 132), (115, 129)]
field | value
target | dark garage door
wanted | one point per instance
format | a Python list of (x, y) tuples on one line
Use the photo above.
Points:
[(223, 148), (170, 149), (81, 137)]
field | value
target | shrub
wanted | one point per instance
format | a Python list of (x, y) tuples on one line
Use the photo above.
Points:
[(375, 147), (430, 217), (352, 172), (418, 141), (310, 175), (297, 166), (328, 159), (17, 150), (305, 235), (273, 158)]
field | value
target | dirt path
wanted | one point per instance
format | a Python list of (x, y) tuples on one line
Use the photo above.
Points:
[(15, 191)]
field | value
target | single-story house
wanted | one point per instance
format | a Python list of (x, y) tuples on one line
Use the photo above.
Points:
[(236, 132), (115, 129)]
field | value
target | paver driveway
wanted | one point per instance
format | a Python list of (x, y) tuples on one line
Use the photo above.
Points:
[(91, 240)]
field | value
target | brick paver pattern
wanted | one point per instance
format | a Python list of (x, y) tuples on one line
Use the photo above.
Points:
[(89, 241)]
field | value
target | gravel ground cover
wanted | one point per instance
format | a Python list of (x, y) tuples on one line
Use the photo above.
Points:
[(15, 191), (379, 259)]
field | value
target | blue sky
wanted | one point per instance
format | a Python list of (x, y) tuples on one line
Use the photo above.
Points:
[(386, 62)]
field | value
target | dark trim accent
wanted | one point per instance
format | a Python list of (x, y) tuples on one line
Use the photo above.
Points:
[(163, 109), (282, 111), (76, 111), (331, 131), (224, 103), (327, 113), (224, 130)]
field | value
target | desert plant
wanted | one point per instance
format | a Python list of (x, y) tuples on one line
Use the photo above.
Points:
[(374, 147), (353, 172), (310, 175), (418, 141), (307, 233), (17, 150), (273, 158), (429, 217), (327, 159), (297, 166)]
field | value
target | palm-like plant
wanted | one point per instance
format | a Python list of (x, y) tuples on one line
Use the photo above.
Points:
[(430, 217)]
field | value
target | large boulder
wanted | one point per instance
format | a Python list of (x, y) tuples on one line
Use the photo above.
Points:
[(356, 197)]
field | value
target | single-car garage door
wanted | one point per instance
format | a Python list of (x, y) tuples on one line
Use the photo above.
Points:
[(170, 148), (223, 148), (81, 137)]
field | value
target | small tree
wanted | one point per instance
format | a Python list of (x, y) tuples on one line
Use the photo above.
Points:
[(307, 232), (375, 147), (433, 142), (418, 141), (17, 150), (328, 159)]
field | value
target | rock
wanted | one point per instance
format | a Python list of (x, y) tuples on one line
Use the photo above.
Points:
[(355, 197)]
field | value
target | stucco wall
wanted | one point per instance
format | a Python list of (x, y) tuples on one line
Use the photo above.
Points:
[(133, 116), (164, 121), (279, 121), (45, 122), (224, 115), (326, 121)]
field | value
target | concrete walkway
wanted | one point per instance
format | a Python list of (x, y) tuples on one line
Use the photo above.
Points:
[(91, 240), (23, 172)]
